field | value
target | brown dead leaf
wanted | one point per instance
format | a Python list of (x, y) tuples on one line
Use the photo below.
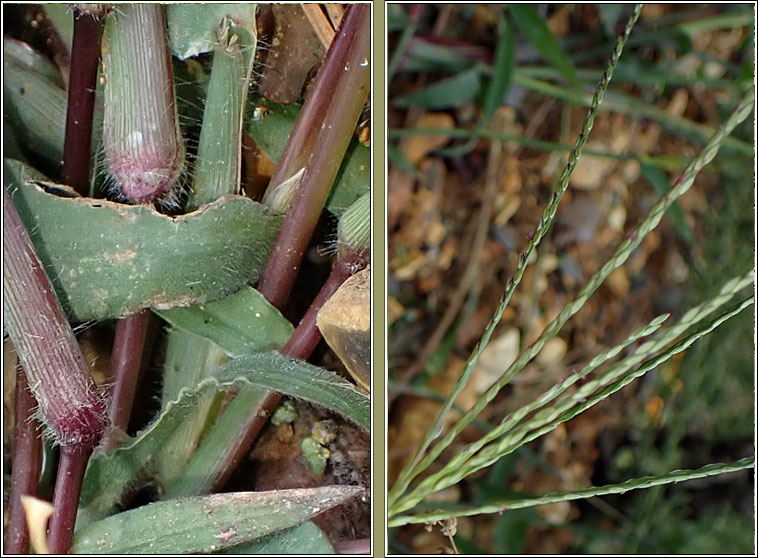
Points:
[(258, 168), (394, 310), (38, 513), (678, 103), (399, 194), (345, 322)]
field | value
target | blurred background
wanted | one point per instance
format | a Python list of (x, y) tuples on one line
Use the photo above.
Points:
[(461, 208)]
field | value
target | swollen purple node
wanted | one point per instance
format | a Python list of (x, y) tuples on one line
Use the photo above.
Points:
[(70, 405), (143, 177), (143, 147)]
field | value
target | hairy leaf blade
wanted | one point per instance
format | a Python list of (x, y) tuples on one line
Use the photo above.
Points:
[(207, 523), (302, 380), (242, 323), (109, 474), (126, 258)]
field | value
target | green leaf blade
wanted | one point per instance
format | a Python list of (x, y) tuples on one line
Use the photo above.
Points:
[(450, 92), (242, 323), (107, 259), (502, 71), (207, 523), (534, 28), (299, 379), (109, 474), (36, 109)]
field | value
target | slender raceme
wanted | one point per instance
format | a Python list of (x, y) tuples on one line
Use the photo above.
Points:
[(414, 466), (623, 251)]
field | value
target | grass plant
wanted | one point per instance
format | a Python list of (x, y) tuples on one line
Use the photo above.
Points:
[(441, 461), (136, 141)]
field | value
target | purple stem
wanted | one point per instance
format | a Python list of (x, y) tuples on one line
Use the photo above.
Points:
[(27, 462), (306, 336), (85, 53), (128, 345), (70, 402), (72, 406), (68, 486), (318, 143)]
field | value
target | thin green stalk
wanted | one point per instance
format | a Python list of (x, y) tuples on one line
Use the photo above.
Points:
[(653, 346), (415, 466), (607, 384), (219, 157), (190, 359), (679, 186), (621, 488), (460, 459), (682, 22), (547, 419), (637, 76)]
